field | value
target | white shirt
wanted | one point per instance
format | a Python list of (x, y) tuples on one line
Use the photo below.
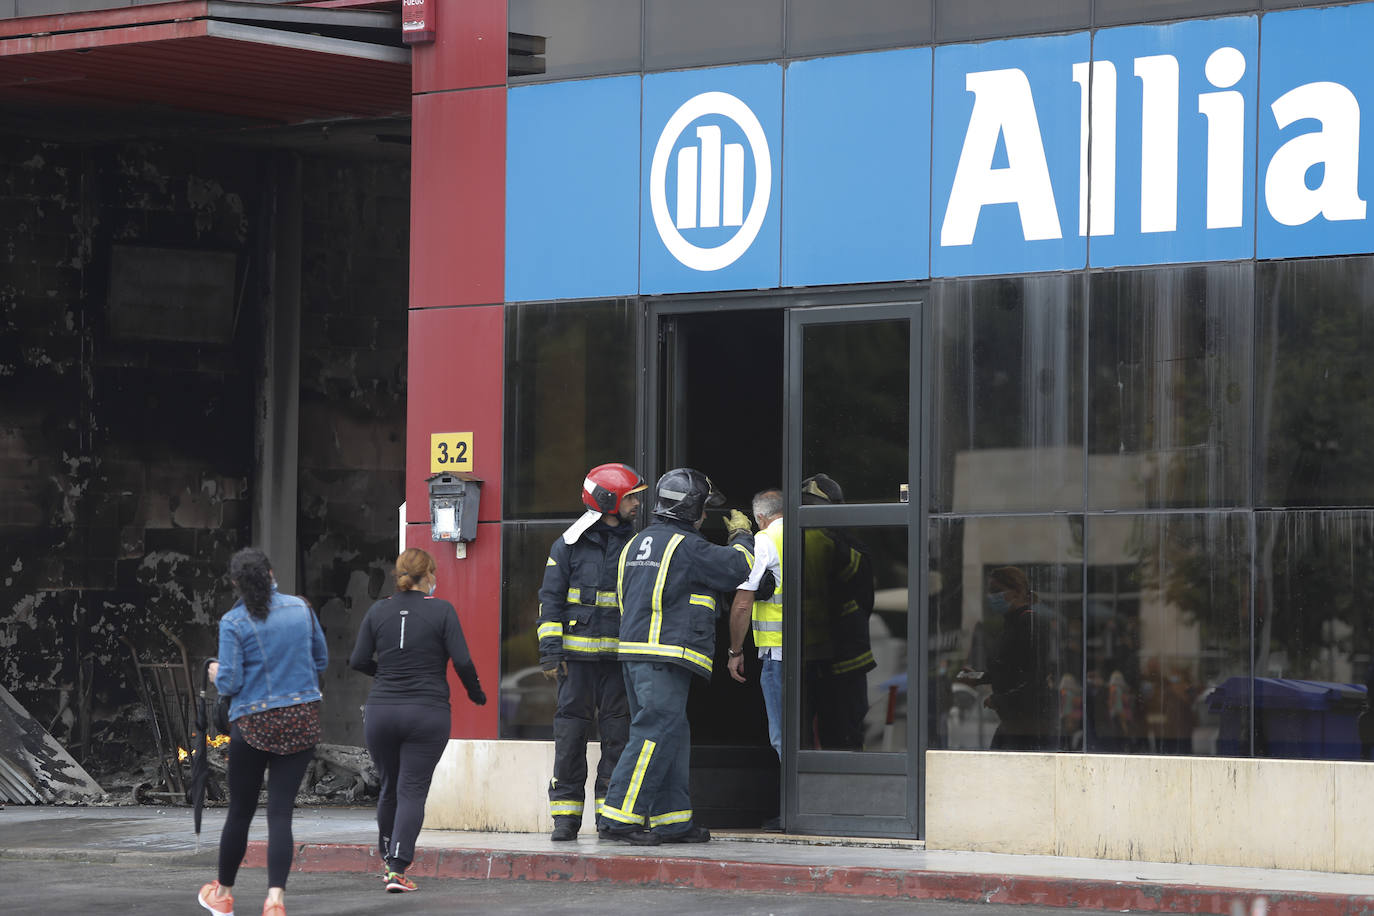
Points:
[(766, 559)]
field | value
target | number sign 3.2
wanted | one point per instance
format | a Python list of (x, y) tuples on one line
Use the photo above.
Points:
[(450, 452)]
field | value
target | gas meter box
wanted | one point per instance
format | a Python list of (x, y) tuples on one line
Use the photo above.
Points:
[(453, 500)]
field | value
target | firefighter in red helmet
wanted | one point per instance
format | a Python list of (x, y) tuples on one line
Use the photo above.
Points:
[(579, 628)]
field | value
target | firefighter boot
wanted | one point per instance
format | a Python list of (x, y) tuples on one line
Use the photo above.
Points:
[(565, 828)]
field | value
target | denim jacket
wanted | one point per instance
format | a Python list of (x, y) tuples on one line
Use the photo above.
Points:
[(266, 664)]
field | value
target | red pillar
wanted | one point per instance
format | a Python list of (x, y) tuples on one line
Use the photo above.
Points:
[(457, 271)]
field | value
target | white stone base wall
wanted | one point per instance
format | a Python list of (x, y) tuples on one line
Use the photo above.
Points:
[(1303, 814), (500, 786)]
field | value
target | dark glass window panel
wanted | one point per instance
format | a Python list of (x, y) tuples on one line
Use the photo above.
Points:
[(856, 407), (1315, 575), (570, 396), (1314, 395), (678, 34), (854, 639), (527, 698), (1169, 365), (961, 19), (824, 26), (1034, 666), (1117, 12), (1168, 634), (1007, 394), (580, 37)]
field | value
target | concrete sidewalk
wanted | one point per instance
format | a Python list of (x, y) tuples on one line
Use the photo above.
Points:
[(342, 840)]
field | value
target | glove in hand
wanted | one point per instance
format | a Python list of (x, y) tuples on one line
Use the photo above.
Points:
[(557, 669), (737, 522), (476, 695)]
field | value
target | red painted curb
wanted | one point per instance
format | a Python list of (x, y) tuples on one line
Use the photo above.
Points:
[(711, 874)]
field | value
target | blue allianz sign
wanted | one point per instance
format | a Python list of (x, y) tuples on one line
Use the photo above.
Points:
[(1202, 140)]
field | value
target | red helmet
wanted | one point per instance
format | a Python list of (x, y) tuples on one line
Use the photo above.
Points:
[(607, 484)]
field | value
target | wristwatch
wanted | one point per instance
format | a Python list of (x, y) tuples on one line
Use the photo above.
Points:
[(733, 653)]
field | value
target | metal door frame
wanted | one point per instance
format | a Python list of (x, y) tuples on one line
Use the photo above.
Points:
[(910, 515), (836, 305)]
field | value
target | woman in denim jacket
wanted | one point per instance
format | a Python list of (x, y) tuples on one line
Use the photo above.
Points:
[(271, 653)]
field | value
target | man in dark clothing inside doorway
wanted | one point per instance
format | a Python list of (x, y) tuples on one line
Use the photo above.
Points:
[(579, 625)]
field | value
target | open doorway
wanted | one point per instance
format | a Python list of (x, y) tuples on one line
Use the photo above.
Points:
[(719, 408)]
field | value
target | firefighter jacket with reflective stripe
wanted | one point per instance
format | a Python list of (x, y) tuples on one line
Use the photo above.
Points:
[(767, 615), (578, 614), (837, 602), (670, 583)]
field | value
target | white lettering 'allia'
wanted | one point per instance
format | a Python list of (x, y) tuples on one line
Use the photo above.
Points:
[(1336, 146), (1225, 114), (1158, 142), (1002, 106), (1103, 133)]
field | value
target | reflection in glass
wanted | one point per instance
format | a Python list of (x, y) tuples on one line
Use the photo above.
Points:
[(1006, 609), (1168, 634), (678, 34), (579, 37), (570, 402), (853, 625), (1315, 387), (1313, 648), (1169, 404), (1007, 395), (856, 401), (527, 698), (824, 26)]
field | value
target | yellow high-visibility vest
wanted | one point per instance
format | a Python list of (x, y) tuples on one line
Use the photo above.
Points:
[(767, 615)]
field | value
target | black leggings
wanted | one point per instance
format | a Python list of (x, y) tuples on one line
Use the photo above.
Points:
[(284, 774), (406, 743)]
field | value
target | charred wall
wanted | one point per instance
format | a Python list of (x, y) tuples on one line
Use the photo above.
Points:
[(132, 288)]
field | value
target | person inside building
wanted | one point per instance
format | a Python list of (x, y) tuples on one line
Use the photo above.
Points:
[(1021, 668), (271, 653), (406, 642), (668, 580), (837, 603), (579, 625), (757, 609)]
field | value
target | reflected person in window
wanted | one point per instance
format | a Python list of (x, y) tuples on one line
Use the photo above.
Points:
[(1021, 667)]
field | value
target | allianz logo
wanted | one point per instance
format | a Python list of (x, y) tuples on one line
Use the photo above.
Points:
[(722, 166), (1005, 108), (711, 190)]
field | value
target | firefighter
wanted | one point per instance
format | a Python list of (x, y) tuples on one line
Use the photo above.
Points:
[(837, 603), (579, 622), (669, 581)]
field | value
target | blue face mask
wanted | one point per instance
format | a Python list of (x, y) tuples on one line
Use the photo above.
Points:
[(998, 602)]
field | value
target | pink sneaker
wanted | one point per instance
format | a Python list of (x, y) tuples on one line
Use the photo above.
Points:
[(208, 898), (273, 909)]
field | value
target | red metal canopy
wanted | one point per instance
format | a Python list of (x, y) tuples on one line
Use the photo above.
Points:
[(269, 63)]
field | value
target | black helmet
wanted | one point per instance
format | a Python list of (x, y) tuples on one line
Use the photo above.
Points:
[(819, 489), (684, 493)]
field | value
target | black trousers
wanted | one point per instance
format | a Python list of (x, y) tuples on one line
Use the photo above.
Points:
[(284, 775), (405, 742), (590, 690)]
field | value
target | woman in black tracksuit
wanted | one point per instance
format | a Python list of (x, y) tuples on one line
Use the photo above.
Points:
[(406, 642)]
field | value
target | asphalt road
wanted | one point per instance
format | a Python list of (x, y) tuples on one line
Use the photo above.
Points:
[(76, 889)]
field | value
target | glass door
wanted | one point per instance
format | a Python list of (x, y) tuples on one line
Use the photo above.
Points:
[(853, 571)]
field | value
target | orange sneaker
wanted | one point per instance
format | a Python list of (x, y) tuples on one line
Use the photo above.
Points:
[(273, 909), (397, 883), (210, 899)]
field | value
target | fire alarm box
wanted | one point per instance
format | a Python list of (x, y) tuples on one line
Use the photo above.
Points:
[(417, 20), (453, 500)]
